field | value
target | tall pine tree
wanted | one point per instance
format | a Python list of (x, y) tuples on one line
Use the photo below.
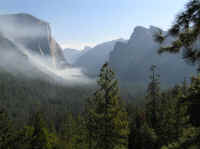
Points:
[(106, 116), (153, 96)]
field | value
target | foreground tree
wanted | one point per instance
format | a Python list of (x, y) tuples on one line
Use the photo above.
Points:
[(186, 31), (106, 116), (193, 98), (176, 131), (153, 97)]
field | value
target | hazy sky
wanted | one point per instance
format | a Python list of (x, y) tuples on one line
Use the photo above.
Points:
[(77, 23)]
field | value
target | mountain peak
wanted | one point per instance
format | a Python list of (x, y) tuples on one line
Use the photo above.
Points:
[(154, 28), (139, 28), (139, 33)]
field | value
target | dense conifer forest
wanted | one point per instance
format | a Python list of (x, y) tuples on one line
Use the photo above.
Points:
[(37, 114)]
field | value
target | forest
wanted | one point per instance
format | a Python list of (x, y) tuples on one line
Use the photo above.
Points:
[(37, 114)]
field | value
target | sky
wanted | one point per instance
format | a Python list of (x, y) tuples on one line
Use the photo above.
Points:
[(79, 23)]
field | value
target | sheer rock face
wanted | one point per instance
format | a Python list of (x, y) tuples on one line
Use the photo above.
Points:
[(33, 34), (13, 60), (9, 51), (131, 61)]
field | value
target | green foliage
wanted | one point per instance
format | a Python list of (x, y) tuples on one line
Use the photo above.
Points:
[(186, 30), (153, 96), (106, 117), (168, 120), (41, 138), (73, 132), (193, 99), (6, 129), (141, 136)]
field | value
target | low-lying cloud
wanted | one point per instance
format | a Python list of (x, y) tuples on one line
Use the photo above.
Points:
[(17, 59), (21, 61)]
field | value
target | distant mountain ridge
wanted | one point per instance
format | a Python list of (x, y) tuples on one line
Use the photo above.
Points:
[(131, 61), (92, 60), (72, 55)]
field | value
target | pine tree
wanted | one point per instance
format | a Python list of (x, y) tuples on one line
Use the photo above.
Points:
[(186, 31), (81, 133), (176, 132), (41, 137), (153, 96), (184, 87), (106, 117), (6, 130), (193, 98), (91, 120), (23, 138), (68, 130), (141, 135)]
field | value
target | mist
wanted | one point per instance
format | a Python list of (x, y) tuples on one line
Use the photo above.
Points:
[(20, 61), (67, 75)]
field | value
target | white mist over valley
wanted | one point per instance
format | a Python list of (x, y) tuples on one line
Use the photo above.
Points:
[(31, 40), (24, 40)]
